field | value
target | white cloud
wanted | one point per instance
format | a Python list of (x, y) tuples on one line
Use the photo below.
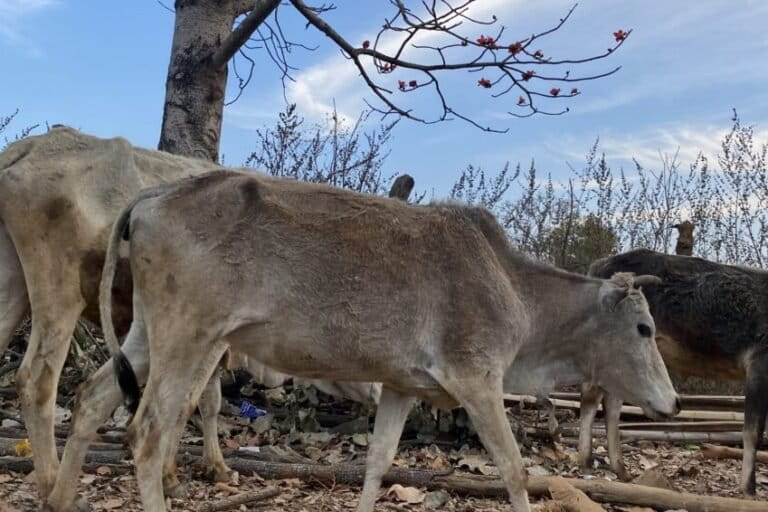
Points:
[(337, 78), (647, 146), (13, 14)]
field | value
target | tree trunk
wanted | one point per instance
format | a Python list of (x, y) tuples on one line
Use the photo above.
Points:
[(194, 91)]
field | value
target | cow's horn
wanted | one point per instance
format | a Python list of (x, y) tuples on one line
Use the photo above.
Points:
[(647, 279)]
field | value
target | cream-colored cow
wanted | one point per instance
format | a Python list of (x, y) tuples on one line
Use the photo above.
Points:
[(60, 193), (430, 301)]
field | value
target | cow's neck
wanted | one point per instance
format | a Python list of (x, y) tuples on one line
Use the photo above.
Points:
[(558, 304)]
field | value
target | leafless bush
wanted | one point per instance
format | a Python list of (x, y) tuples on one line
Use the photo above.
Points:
[(337, 154), (5, 122), (599, 210)]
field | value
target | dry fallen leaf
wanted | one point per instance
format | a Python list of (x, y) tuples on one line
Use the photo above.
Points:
[(227, 488), (479, 464), (407, 494), (438, 463), (110, 503), (23, 448), (103, 471)]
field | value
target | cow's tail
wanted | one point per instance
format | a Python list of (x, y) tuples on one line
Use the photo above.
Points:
[(126, 377)]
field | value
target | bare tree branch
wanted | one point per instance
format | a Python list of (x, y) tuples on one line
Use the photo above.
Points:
[(261, 10), (512, 61)]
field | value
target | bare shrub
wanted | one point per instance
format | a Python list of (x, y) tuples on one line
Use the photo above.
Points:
[(336, 153)]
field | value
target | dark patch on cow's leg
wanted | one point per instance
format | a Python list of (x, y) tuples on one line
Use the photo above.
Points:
[(755, 409)]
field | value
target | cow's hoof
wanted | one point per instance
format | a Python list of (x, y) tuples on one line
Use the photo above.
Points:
[(80, 505), (219, 474), (176, 490), (622, 474)]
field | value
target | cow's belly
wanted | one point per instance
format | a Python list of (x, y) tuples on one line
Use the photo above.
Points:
[(689, 363), (294, 351)]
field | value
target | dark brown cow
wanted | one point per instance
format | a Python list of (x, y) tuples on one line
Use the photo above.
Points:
[(712, 322)]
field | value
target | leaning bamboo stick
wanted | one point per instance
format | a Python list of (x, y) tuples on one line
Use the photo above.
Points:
[(701, 402), (631, 410)]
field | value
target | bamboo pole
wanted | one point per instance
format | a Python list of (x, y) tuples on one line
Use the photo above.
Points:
[(630, 410)]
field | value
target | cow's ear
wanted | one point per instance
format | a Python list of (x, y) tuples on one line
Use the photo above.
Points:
[(623, 279), (647, 280), (611, 295)]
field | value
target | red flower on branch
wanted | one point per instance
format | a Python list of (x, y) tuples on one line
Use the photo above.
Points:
[(574, 91), (538, 55), (521, 101), (486, 41), (484, 82), (366, 44), (413, 83), (620, 35), (401, 85), (554, 91), (515, 48), (527, 75)]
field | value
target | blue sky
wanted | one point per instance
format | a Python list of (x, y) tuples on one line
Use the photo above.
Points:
[(100, 66)]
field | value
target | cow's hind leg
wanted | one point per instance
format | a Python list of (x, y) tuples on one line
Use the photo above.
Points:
[(173, 389), (38, 378), (213, 460), (755, 409), (14, 303), (390, 418), (96, 400), (590, 400), (482, 399), (210, 405)]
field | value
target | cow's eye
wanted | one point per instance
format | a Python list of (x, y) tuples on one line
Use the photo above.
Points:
[(644, 330)]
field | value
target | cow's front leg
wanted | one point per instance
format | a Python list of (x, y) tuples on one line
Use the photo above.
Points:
[(482, 398), (590, 400), (612, 410), (390, 418)]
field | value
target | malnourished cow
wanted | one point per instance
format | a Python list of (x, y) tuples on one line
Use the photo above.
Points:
[(431, 301), (60, 193), (712, 322)]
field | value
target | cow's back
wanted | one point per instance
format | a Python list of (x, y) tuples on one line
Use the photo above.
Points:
[(375, 283), (60, 193)]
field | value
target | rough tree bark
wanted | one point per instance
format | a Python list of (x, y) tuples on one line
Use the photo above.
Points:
[(203, 43)]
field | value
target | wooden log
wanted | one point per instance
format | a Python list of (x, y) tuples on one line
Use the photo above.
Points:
[(631, 410), (710, 451), (474, 485), (239, 499), (685, 426)]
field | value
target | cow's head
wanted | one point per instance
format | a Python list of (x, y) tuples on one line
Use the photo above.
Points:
[(626, 360)]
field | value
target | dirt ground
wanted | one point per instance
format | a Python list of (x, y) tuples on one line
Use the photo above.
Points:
[(313, 427), (683, 467)]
